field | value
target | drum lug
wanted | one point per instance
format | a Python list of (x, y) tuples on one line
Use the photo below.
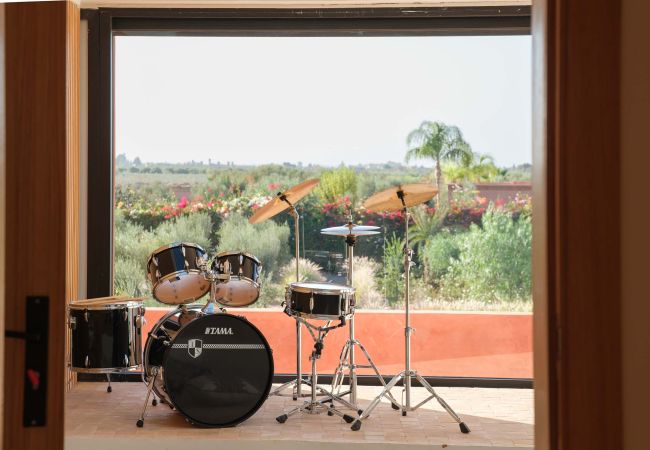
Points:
[(86, 315), (87, 362), (311, 303), (125, 314), (126, 360), (72, 323)]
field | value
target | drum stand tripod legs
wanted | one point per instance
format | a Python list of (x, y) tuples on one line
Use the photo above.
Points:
[(347, 359), (408, 374), (314, 405), (140, 422), (297, 383)]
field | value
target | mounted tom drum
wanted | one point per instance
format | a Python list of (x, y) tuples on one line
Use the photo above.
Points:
[(177, 273), (239, 275)]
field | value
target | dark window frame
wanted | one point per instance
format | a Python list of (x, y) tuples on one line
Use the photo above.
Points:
[(106, 23)]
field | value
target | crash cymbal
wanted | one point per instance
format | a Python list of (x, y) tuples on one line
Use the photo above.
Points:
[(389, 200), (278, 204), (351, 230)]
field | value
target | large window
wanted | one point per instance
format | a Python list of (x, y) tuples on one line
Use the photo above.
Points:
[(207, 128)]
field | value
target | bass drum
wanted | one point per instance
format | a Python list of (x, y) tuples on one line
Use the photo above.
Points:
[(216, 370)]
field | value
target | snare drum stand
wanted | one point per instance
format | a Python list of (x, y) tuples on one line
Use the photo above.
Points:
[(314, 405), (408, 374), (298, 381), (347, 356)]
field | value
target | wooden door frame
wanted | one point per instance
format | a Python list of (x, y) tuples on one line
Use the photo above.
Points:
[(576, 248), (576, 245)]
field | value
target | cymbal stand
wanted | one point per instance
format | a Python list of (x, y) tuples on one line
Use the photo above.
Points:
[(408, 374), (297, 382), (314, 405), (347, 358)]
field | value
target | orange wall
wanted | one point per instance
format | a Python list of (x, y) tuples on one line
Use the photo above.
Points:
[(446, 344)]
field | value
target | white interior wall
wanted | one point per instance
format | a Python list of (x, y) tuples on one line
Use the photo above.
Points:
[(635, 217)]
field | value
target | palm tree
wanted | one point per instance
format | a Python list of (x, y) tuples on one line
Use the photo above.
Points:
[(479, 168), (438, 142)]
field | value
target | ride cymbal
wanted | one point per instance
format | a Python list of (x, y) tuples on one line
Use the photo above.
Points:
[(351, 230), (389, 200), (279, 203)]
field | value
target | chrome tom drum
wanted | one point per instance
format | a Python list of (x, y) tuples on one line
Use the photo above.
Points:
[(239, 273), (177, 275), (319, 300)]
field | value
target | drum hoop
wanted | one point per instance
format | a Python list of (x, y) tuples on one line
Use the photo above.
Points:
[(241, 278), (319, 316), (128, 369), (132, 304), (175, 244), (340, 291), (231, 253)]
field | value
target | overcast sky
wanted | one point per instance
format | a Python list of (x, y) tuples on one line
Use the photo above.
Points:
[(326, 100)]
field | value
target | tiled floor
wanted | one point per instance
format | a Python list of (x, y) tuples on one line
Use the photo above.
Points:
[(498, 418)]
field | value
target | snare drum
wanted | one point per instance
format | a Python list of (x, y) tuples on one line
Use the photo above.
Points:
[(320, 300), (105, 334), (176, 273), (240, 275)]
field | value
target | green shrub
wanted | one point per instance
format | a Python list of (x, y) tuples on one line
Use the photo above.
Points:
[(308, 270), (365, 284), (268, 241), (392, 281), (494, 262), (438, 254), (129, 279), (335, 184)]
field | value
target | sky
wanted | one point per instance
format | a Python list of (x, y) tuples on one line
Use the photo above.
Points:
[(319, 100)]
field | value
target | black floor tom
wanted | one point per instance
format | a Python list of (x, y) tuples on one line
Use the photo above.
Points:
[(105, 335)]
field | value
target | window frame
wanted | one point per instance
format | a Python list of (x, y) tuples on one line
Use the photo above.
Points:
[(106, 23)]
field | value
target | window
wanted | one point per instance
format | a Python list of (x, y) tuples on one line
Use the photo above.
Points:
[(214, 115)]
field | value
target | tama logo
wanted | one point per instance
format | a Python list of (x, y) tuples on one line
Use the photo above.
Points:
[(216, 330)]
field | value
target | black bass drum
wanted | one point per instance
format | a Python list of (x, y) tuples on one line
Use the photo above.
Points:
[(217, 369)]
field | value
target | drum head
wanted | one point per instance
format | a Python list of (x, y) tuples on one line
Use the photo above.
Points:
[(181, 288), (219, 370), (238, 292)]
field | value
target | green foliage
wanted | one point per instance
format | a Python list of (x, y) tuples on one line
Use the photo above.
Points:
[(337, 183), (365, 283), (129, 279), (392, 281), (477, 168), (268, 241), (438, 254), (494, 262), (425, 225), (308, 270)]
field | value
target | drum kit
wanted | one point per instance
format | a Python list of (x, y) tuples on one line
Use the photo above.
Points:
[(216, 368)]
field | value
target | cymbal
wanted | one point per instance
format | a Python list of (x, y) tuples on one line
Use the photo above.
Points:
[(351, 230), (277, 205), (389, 200)]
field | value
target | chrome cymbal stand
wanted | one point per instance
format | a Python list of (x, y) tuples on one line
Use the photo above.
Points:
[(408, 374), (297, 382), (347, 358), (314, 405)]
